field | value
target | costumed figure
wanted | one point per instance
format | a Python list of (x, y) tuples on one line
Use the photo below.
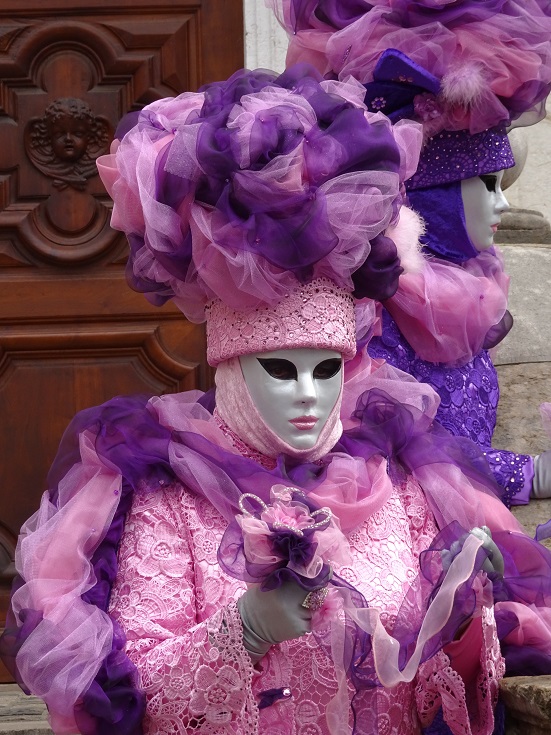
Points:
[(307, 552), (465, 70)]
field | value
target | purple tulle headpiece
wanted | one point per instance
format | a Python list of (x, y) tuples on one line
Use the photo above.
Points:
[(252, 187), (465, 69)]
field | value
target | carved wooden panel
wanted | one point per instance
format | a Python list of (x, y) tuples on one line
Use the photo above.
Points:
[(64, 84), (72, 334)]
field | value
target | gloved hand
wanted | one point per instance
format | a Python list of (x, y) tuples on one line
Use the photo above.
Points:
[(541, 484), (273, 616), (494, 562)]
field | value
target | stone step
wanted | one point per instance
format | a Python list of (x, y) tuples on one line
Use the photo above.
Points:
[(20, 714), (527, 700)]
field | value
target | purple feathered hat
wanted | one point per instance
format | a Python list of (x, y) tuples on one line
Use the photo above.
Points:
[(466, 70)]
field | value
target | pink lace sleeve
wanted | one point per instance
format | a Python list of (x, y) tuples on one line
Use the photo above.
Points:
[(181, 621), (468, 706), (439, 685)]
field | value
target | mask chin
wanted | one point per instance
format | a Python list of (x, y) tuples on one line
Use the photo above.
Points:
[(237, 409), (442, 209)]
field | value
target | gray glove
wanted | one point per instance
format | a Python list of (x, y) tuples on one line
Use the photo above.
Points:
[(541, 483), (273, 616), (494, 562)]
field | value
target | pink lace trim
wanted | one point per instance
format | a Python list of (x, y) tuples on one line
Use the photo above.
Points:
[(439, 685), (244, 449), (318, 315)]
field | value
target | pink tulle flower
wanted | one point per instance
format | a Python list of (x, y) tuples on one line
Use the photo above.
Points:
[(286, 533), (294, 517)]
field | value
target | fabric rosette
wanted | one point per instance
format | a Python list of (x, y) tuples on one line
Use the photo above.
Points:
[(288, 538)]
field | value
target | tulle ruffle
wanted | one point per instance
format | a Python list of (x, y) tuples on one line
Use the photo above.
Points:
[(236, 191), (448, 312), (131, 445), (500, 48)]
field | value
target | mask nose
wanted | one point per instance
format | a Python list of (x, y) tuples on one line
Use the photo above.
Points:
[(502, 205), (306, 389)]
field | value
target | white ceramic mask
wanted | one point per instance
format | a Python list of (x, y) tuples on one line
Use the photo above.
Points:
[(294, 391), (483, 204)]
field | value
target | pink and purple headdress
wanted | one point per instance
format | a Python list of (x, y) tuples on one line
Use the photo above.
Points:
[(466, 70), (239, 195)]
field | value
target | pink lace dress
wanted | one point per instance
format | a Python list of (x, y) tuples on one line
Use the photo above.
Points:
[(179, 613)]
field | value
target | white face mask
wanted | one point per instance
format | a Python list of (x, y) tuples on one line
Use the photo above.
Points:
[(483, 204), (294, 391)]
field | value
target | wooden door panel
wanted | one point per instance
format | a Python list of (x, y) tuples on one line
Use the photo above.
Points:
[(72, 334)]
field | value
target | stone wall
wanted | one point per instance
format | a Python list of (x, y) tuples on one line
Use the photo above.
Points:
[(265, 40), (524, 367), (531, 190), (524, 357)]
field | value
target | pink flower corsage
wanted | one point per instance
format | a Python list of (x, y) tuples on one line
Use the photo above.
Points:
[(289, 534)]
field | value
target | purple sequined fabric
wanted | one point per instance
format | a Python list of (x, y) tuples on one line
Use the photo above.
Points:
[(453, 155), (469, 397)]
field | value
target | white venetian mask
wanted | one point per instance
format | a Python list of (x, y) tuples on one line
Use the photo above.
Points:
[(294, 391), (483, 204)]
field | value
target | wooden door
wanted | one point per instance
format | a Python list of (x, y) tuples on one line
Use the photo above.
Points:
[(72, 334)]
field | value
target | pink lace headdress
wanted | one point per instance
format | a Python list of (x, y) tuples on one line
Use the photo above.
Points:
[(467, 70), (267, 204)]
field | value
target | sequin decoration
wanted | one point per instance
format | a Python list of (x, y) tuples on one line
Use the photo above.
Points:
[(456, 155)]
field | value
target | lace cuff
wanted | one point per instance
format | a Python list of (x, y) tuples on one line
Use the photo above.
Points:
[(514, 473), (439, 685)]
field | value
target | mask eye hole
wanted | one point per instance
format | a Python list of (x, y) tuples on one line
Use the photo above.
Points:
[(279, 369), (489, 181), (327, 369)]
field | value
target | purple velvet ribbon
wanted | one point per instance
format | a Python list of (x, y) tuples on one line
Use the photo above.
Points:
[(441, 207)]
